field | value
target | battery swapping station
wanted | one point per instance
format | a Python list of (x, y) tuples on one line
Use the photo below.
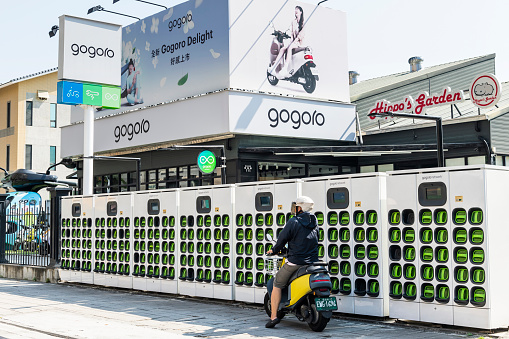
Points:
[(459, 277), (261, 208), (154, 240), (112, 242), (403, 235), (167, 239), (77, 239), (205, 242), (332, 202), (351, 241)]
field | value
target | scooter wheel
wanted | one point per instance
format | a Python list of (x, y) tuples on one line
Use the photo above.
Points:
[(310, 84), (272, 79), (320, 324), (267, 307)]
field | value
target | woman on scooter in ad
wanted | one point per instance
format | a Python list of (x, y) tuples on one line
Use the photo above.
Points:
[(297, 39)]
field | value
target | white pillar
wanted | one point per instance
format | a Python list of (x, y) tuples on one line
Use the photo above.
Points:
[(88, 151)]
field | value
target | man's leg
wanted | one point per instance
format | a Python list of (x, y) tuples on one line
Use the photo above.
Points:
[(275, 299)]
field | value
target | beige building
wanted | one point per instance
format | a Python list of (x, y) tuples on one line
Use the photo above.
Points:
[(30, 122)]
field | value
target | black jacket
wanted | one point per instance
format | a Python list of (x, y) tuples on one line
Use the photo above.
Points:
[(301, 234)]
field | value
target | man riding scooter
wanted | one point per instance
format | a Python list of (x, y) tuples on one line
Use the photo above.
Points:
[(301, 234)]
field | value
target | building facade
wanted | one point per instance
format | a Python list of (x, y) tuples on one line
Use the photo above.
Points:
[(30, 122)]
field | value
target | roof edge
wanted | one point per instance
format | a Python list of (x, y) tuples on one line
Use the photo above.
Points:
[(466, 62)]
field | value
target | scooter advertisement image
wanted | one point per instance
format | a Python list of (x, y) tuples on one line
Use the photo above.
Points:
[(285, 49)]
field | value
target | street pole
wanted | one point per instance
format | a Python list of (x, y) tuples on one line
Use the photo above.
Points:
[(440, 143), (88, 151)]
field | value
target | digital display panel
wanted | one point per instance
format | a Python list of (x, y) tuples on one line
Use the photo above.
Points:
[(205, 204), (339, 197), (433, 193), (154, 207), (265, 201)]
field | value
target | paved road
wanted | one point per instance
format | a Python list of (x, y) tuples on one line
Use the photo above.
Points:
[(38, 310)]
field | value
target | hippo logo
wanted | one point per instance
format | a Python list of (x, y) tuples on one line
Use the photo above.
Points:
[(483, 89)]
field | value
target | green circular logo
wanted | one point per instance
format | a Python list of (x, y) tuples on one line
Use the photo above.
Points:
[(207, 162)]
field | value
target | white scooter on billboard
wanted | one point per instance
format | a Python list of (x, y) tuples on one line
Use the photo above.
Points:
[(301, 69)]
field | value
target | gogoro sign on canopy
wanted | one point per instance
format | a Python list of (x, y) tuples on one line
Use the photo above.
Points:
[(207, 162)]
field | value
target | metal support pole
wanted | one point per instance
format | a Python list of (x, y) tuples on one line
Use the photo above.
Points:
[(56, 194), (3, 227), (223, 167), (88, 151), (440, 144), (138, 170)]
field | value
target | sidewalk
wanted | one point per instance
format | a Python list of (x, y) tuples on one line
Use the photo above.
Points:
[(39, 310)]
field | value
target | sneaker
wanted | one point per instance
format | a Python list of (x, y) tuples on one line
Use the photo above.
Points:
[(271, 323)]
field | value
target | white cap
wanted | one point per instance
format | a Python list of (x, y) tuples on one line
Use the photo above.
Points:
[(306, 203)]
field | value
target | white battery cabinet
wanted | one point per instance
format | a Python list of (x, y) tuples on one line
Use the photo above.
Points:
[(350, 212), (460, 249), (77, 238), (332, 201), (112, 243), (369, 252), (403, 237), (205, 242), (261, 208), (478, 200), (150, 226), (167, 239)]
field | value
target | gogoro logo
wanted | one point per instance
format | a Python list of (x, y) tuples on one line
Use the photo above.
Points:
[(207, 162), (92, 51), (177, 23), (131, 130), (295, 117)]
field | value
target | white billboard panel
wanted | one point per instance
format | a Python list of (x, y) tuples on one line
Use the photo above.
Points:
[(216, 114), (287, 117), (89, 51), (316, 35)]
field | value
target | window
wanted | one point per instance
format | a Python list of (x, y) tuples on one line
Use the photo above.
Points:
[(480, 160), (52, 155), (8, 114), (7, 157), (53, 116), (29, 113), (28, 157), (454, 162)]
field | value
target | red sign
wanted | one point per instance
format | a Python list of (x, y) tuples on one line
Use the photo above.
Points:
[(423, 101), (485, 91)]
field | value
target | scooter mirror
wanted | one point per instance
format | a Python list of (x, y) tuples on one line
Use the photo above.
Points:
[(269, 237)]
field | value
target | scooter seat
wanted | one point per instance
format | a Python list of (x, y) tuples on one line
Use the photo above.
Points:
[(307, 269)]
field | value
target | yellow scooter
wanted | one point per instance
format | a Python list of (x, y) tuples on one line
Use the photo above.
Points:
[(307, 296)]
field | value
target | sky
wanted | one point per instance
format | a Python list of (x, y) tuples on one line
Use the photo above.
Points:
[(382, 34)]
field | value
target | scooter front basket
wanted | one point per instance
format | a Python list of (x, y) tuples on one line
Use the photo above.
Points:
[(272, 265)]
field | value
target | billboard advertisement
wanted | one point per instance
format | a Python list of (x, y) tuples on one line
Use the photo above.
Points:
[(176, 53), (289, 47), (89, 51)]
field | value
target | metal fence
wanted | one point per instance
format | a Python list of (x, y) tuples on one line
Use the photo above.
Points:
[(27, 233)]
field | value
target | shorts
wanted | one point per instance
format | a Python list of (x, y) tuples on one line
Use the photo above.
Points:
[(284, 274)]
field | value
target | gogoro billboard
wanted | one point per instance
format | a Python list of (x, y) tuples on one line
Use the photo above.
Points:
[(201, 46), (89, 51)]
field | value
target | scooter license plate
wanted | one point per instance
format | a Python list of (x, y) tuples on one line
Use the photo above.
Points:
[(326, 304)]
